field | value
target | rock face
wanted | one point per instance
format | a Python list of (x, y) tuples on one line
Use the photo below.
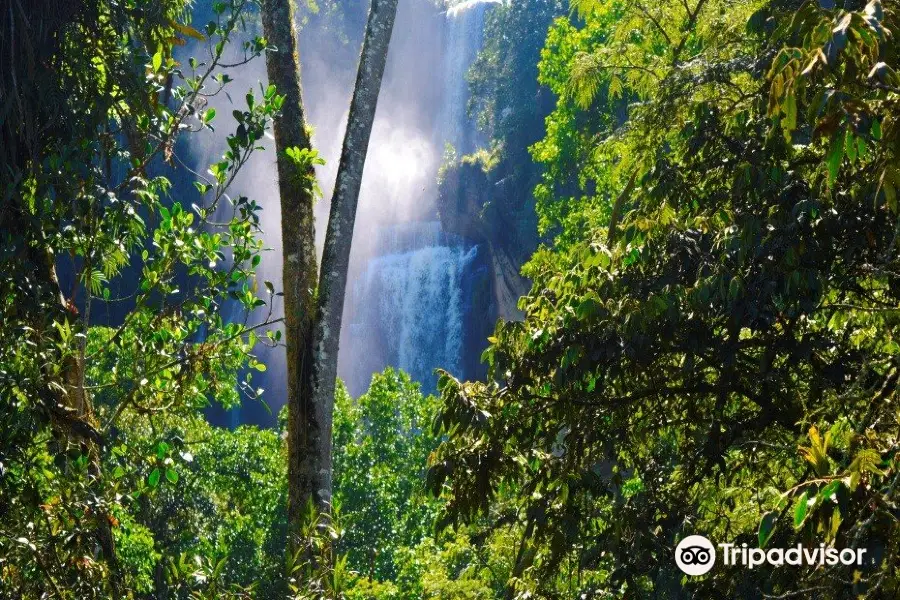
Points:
[(425, 297), (472, 205)]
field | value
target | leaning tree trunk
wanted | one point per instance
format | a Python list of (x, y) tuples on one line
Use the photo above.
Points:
[(298, 253), (336, 256)]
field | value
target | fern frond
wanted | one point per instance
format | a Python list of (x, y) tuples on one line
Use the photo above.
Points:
[(585, 78)]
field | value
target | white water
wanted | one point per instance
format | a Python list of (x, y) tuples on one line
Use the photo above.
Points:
[(405, 306), (464, 36)]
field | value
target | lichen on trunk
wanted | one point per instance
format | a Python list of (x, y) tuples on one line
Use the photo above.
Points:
[(339, 236), (299, 252)]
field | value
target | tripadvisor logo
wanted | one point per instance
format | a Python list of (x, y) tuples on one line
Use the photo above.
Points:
[(695, 555)]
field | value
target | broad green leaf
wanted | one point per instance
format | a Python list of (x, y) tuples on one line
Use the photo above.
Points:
[(767, 527), (162, 449), (829, 491), (790, 112), (834, 157), (801, 508)]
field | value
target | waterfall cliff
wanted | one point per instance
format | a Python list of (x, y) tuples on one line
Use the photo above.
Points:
[(413, 299), (463, 38), (408, 308)]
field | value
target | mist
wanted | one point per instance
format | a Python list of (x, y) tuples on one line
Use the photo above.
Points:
[(421, 108)]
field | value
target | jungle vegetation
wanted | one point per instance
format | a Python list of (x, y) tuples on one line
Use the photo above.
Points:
[(709, 345)]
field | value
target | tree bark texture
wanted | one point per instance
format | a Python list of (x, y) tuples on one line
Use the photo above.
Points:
[(298, 253), (339, 235)]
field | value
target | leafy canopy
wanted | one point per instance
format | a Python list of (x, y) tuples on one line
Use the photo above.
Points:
[(710, 345)]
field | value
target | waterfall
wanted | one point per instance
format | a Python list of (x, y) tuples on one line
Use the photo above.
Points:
[(408, 306), (412, 288), (409, 300), (464, 35)]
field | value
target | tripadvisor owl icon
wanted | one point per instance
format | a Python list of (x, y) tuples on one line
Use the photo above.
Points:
[(695, 555)]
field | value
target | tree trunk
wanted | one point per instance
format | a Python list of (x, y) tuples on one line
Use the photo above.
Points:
[(311, 376), (336, 256), (298, 254), (69, 404)]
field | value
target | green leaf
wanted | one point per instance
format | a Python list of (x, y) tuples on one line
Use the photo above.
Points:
[(767, 527), (172, 475), (834, 157), (835, 525), (161, 449), (801, 509), (153, 479), (157, 60), (790, 113), (831, 489), (209, 115), (735, 287), (850, 146), (861, 149), (588, 308)]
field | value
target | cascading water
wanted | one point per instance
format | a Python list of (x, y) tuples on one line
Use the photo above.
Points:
[(464, 36), (408, 304), (413, 289)]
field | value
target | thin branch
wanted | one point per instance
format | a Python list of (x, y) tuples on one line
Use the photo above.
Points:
[(692, 20), (653, 20), (617, 208)]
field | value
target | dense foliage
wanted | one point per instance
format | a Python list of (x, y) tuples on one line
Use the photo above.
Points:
[(382, 441), (506, 98), (710, 346), (90, 222)]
